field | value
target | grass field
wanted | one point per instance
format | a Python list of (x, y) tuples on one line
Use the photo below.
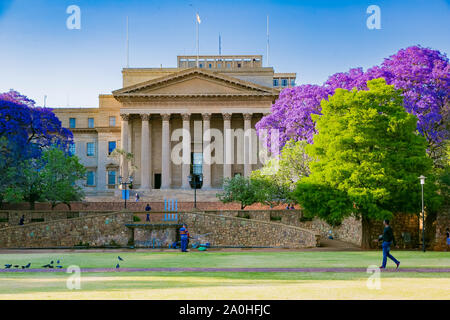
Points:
[(226, 285)]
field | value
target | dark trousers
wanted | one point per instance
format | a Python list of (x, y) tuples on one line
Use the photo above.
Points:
[(386, 254), (184, 243)]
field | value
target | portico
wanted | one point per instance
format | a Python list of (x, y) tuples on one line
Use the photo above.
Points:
[(176, 122)]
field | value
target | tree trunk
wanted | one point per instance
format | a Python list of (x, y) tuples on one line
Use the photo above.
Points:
[(430, 229), (366, 232)]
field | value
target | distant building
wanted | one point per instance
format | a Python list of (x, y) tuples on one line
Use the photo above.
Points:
[(223, 92)]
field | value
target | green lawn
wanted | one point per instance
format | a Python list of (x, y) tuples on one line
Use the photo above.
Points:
[(222, 285), (288, 259)]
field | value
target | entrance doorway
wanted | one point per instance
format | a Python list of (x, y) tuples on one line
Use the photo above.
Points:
[(157, 180)]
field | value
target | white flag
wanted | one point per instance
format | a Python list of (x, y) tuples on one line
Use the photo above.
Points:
[(198, 19)]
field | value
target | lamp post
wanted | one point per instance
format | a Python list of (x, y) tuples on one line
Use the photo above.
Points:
[(125, 183), (422, 182), (195, 179)]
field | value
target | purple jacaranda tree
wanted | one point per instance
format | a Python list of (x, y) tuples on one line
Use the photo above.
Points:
[(14, 96), (423, 74), (28, 128)]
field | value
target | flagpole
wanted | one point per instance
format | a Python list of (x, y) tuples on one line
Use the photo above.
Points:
[(198, 41), (128, 46), (268, 63)]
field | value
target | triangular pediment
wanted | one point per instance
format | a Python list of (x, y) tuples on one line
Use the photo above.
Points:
[(193, 82)]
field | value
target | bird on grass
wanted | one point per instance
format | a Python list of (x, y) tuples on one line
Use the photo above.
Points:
[(120, 259), (57, 262), (59, 267), (16, 266), (28, 265), (8, 266), (117, 266), (46, 266)]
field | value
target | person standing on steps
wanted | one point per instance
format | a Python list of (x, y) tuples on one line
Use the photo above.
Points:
[(388, 239)]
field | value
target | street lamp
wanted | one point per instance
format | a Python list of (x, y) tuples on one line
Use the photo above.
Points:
[(422, 182), (195, 180), (125, 183)]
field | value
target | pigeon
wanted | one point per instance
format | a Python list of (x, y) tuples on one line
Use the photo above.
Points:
[(46, 266), (16, 266), (8, 266), (120, 259), (59, 267), (50, 266), (28, 265), (117, 266), (57, 262), (51, 262)]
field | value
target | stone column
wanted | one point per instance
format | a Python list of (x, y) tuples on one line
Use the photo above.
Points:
[(228, 151), (165, 152), (145, 152), (186, 163), (206, 151), (248, 149), (124, 142)]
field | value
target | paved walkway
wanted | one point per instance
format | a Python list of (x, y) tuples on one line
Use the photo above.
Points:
[(422, 270)]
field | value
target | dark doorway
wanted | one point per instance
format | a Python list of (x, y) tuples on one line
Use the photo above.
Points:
[(157, 180)]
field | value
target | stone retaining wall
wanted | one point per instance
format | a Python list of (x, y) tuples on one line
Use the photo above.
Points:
[(11, 218), (442, 223), (95, 230), (226, 231)]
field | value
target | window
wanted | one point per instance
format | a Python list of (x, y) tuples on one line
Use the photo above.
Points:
[(284, 82), (111, 177), (90, 122), (219, 65), (112, 121), (200, 65), (210, 65), (90, 178), (239, 65), (72, 123), (228, 65), (72, 149), (292, 82), (275, 83), (111, 147), (197, 161), (90, 149)]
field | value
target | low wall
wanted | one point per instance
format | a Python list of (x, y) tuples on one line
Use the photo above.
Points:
[(155, 235), (11, 218), (226, 231), (349, 231), (94, 230)]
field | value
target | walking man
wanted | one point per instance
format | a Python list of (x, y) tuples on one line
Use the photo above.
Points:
[(184, 235), (388, 239)]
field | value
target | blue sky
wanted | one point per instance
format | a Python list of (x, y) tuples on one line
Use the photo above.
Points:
[(40, 56)]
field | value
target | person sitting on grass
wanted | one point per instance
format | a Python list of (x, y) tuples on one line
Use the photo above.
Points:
[(388, 239)]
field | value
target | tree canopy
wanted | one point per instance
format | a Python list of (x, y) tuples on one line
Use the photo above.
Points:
[(367, 157)]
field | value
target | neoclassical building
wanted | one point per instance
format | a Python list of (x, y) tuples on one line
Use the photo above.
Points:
[(200, 112)]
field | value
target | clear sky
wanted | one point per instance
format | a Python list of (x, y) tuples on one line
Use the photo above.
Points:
[(40, 56)]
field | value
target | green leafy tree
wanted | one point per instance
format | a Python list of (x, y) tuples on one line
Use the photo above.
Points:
[(51, 177), (367, 157), (275, 181), (238, 189), (60, 173)]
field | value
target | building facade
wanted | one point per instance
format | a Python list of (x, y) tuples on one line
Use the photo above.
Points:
[(175, 122)]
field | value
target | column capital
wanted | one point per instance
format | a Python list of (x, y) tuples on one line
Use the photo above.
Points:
[(226, 116), (165, 116), (125, 116), (248, 116), (145, 117), (206, 116), (186, 116)]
